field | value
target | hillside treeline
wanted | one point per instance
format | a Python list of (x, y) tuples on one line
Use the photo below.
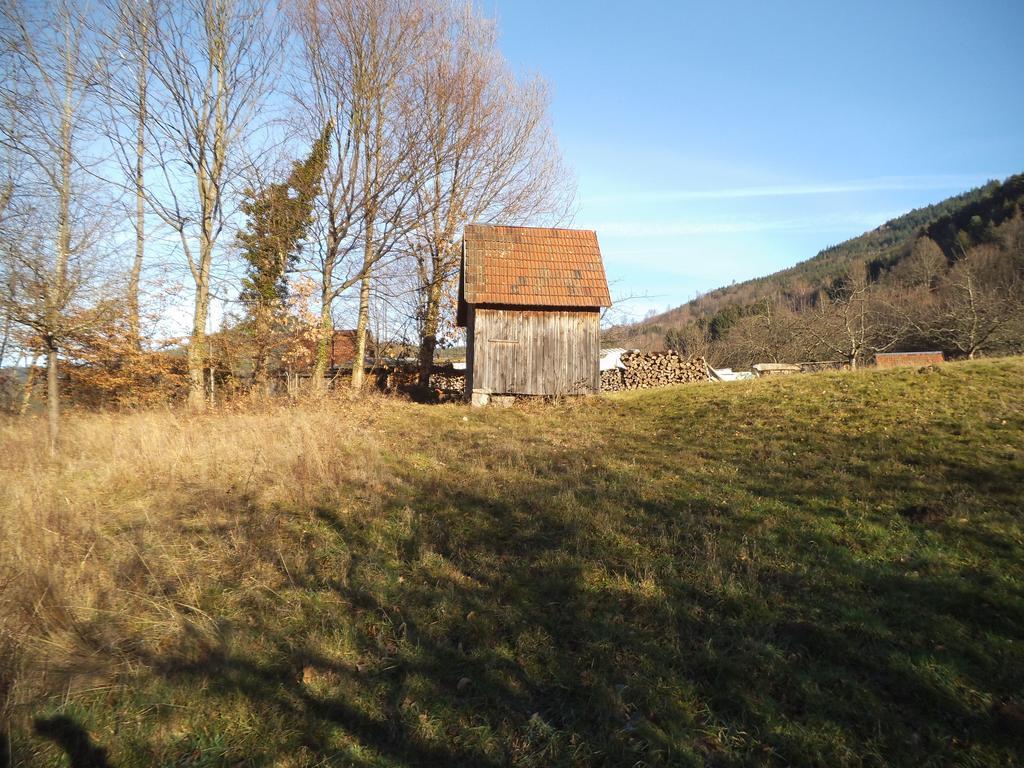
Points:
[(948, 277), (255, 173)]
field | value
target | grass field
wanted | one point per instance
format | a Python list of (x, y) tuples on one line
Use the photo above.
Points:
[(820, 570)]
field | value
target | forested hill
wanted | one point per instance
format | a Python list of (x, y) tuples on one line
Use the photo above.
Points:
[(880, 249)]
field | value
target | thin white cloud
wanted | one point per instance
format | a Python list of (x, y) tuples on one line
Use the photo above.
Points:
[(880, 184), (826, 223)]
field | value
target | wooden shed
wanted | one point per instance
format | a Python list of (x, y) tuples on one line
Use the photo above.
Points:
[(530, 299)]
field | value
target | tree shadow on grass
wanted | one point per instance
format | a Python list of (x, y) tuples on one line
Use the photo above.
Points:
[(74, 740), (525, 634), (572, 616), (467, 686), (312, 718)]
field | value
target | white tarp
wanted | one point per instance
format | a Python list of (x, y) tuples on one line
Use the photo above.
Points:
[(612, 358), (728, 374)]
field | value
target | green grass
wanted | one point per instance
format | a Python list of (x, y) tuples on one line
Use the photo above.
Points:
[(817, 570)]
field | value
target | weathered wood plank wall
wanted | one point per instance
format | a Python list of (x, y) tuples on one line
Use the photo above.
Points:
[(523, 352), (470, 347)]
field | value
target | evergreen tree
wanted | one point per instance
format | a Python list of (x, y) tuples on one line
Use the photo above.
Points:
[(279, 217)]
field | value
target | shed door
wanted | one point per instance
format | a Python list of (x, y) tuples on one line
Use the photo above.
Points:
[(501, 366), (506, 366)]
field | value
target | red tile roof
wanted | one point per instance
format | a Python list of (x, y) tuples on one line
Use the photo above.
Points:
[(533, 266)]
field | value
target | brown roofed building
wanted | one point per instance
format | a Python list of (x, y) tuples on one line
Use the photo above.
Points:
[(342, 350), (530, 299)]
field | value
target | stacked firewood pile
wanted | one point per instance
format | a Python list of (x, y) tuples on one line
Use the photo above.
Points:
[(396, 377), (653, 369), (612, 381), (447, 379)]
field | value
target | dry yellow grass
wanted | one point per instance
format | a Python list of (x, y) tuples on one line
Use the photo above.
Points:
[(820, 570), (92, 568)]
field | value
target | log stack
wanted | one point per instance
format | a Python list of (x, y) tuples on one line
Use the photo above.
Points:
[(448, 380), (645, 370), (612, 380)]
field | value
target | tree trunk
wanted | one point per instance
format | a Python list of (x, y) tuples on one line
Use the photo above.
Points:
[(26, 393), (209, 177), (359, 363), (7, 336), (324, 342), (52, 397), (197, 349), (140, 197), (57, 288), (261, 353), (133, 280), (428, 334)]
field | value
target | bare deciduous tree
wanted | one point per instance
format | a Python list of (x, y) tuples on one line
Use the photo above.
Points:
[(129, 28), (359, 55), (6, 192), (325, 98), (384, 40), (50, 260), (980, 301), (487, 154), (772, 333), (211, 64), (692, 340), (851, 322), (923, 267)]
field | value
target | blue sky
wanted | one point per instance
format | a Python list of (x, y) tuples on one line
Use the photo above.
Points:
[(725, 140)]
